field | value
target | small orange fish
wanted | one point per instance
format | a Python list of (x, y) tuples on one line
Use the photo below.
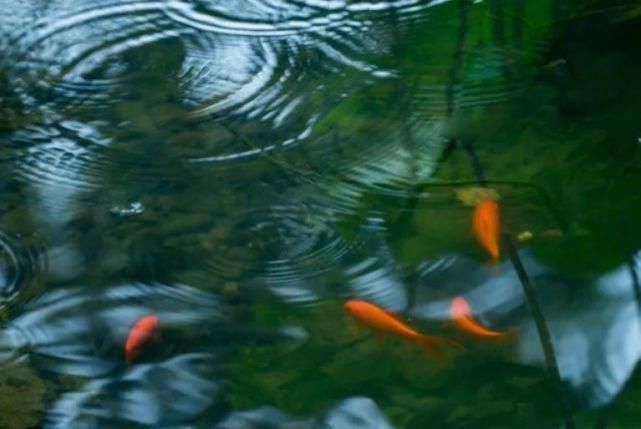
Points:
[(486, 225), (144, 330), (463, 320), (387, 322)]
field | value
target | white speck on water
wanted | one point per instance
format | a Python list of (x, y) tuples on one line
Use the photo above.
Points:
[(131, 210)]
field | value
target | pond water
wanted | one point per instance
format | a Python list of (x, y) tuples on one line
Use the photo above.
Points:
[(238, 170)]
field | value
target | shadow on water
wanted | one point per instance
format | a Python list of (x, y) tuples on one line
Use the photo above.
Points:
[(239, 169)]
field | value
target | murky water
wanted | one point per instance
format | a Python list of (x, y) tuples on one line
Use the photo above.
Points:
[(241, 169)]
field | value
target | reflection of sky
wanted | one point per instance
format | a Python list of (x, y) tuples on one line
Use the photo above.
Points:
[(455, 275), (58, 165), (596, 332), (175, 390), (235, 57), (364, 269), (352, 413), (599, 344), (81, 331)]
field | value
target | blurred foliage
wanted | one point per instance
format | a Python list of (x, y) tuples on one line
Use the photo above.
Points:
[(563, 154), (21, 398), (567, 148), (479, 388), (576, 140), (551, 109)]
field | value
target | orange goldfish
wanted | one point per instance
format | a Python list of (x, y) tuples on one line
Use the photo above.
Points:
[(388, 322), (486, 224), (144, 330), (463, 320)]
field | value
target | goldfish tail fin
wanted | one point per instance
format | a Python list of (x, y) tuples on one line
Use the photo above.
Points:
[(505, 337), (436, 347), (509, 336)]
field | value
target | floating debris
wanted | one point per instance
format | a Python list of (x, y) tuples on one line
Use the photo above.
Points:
[(131, 210), (472, 195), (524, 236)]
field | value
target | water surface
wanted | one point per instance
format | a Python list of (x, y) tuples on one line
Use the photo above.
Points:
[(242, 168)]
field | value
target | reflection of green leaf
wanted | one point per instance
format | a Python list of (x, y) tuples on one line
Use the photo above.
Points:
[(472, 195)]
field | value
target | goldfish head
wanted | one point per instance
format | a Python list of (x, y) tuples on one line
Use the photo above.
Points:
[(143, 331), (459, 308), (149, 323), (356, 307), (486, 224)]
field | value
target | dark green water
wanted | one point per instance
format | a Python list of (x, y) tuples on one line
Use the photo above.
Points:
[(241, 169)]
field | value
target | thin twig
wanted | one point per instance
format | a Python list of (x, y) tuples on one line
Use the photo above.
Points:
[(533, 303), (287, 166), (541, 327), (529, 291)]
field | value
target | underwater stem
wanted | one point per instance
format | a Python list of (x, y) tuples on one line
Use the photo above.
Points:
[(528, 289), (541, 327)]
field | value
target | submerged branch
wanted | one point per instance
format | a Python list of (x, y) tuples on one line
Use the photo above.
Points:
[(541, 327), (529, 291), (287, 166)]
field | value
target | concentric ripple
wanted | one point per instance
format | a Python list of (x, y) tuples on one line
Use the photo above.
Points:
[(62, 160), (64, 155), (76, 58), (23, 267), (282, 17), (298, 253), (285, 238), (277, 74), (271, 68), (273, 62), (83, 56)]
